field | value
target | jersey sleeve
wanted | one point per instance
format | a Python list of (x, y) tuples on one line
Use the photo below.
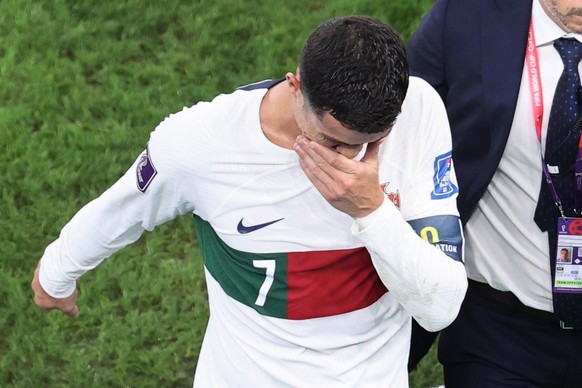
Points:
[(426, 282), (147, 195), (417, 249)]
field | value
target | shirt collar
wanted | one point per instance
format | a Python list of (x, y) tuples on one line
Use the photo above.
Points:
[(546, 30)]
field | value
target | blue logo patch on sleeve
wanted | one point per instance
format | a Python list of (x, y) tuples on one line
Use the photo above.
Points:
[(443, 187)]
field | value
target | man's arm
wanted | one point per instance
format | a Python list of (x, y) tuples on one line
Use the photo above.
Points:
[(428, 283), (146, 196)]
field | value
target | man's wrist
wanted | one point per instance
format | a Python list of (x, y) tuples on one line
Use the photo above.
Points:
[(362, 223), (56, 289)]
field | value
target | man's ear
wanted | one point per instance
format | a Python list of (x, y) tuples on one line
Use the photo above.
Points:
[(293, 81)]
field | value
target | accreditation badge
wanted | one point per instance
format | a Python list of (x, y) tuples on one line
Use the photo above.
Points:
[(568, 257)]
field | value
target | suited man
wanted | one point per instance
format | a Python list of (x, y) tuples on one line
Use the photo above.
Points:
[(473, 52)]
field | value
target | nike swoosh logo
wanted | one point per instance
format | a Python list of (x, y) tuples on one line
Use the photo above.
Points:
[(242, 229)]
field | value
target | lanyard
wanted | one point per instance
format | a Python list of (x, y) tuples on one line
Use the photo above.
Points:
[(536, 97), (535, 84)]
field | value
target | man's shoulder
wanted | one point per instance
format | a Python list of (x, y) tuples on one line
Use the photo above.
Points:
[(418, 87), (235, 100), (423, 116), (421, 98), (265, 84)]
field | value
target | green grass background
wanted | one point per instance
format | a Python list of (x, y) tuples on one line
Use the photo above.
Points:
[(82, 84)]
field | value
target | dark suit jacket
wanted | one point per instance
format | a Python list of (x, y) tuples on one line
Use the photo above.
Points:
[(472, 52)]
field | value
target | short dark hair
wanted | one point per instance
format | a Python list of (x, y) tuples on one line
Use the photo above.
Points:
[(355, 68)]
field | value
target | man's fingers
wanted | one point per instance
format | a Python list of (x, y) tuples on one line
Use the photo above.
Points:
[(319, 158), (67, 305), (371, 155), (311, 162), (73, 313)]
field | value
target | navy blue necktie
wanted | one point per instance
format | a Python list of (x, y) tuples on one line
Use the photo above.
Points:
[(561, 148)]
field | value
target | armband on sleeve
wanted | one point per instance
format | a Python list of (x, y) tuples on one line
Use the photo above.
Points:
[(444, 232)]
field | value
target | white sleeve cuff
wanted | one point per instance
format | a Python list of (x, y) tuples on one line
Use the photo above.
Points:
[(363, 222), (51, 277)]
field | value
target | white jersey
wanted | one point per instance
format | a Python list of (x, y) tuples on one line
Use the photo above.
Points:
[(299, 293)]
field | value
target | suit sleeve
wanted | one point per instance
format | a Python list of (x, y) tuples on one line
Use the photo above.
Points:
[(426, 48)]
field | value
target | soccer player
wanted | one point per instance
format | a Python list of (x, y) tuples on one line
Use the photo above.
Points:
[(324, 222)]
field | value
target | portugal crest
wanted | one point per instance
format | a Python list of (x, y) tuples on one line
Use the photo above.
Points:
[(394, 197)]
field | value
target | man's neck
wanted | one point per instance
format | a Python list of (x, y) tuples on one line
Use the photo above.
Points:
[(277, 118)]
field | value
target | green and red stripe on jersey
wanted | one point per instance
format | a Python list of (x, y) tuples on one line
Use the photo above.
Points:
[(292, 285)]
